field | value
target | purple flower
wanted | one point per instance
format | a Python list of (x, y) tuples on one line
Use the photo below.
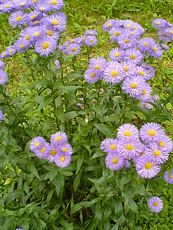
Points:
[(56, 4), (155, 204), (133, 86), (116, 54), (113, 73), (7, 6), (109, 145), (10, 51), (108, 25), (3, 77), (42, 6), (168, 177), (58, 138), (133, 55), (150, 70), (164, 36), (98, 64), (57, 21), (142, 73), (65, 149), (145, 95), (1, 115), (165, 144), (2, 65), (57, 63), (43, 151), (91, 76), (129, 148), (91, 33), (115, 33), (126, 42), (114, 161), (144, 44), (62, 160), (21, 45), (146, 105), (45, 46), (36, 32), (73, 49), (156, 51), (128, 131), (159, 23), (37, 143), (128, 69), (17, 18), (146, 167), (51, 33), (90, 41), (157, 154), (150, 132), (53, 151)]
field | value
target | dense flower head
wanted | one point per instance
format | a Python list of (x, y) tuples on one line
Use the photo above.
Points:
[(108, 25), (160, 23), (116, 54), (133, 55), (91, 76), (131, 146), (90, 40), (114, 161), (168, 177), (113, 73), (45, 46), (59, 151), (155, 204), (17, 18)]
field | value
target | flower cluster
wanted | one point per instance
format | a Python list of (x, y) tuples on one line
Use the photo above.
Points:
[(126, 61), (58, 151), (73, 46), (148, 148), (41, 21), (165, 29), (3, 75)]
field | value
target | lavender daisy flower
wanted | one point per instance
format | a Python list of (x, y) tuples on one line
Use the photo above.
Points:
[(57, 21), (133, 55), (51, 33), (53, 151), (57, 64), (73, 49), (157, 154), (150, 132), (4, 55), (65, 149), (91, 76), (56, 4), (155, 204), (146, 167), (133, 86), (36, 32), (128, 69), (21, 45), (108, 25), (169, 32), (144, 44), (145, 95), (17, 18), (45, 46), (10, 51), (98, 64), (58, 138), (113, 73), (109, 145), (91, 33), (126, 42), (128, 131), (43, 151), (142, 73), (115, 33), (165, 144), (127, 24), (114, 161), (2, 65), (62, 160), (34, 15), (165, 46), (42, 6), (159, 23), (156, 51), (127, 164), (1, 116), (3, 77), (37, 143), (168, 177), (7, 6), (129, 148), (164, 36), (90, 41), (116, 54), (146, 105), (149, 69), (24, 4)]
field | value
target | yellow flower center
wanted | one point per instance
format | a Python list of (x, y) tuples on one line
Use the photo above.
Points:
[(109, 25), (161, 143), (22, 3), (34, 1), (115, 160), (155, 204), (148, 165), (156, 153), (171, 31), (55, 22), (126, 41), (158, 23), (33, 16), (144, 92), (133, 85), (58, 138), (18, 18), (128, 25), (64, 149), (49, 32), (126, 68), (7, 6), (36, 34), (42, 8), (54, 2), (97, 67), (127, 133), (116, 33), (36, 22), (114, 73), (73, 49), (154, 48), (116, 54), (22, 46), (53, 152), (27, 37), (170, 176), (113, 147), (42, 150), (129, 147), (45, 45), (37, 144), (92, 74), (141, 73), (151, 132), (132, 56), (62, 158), (146, 44)]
